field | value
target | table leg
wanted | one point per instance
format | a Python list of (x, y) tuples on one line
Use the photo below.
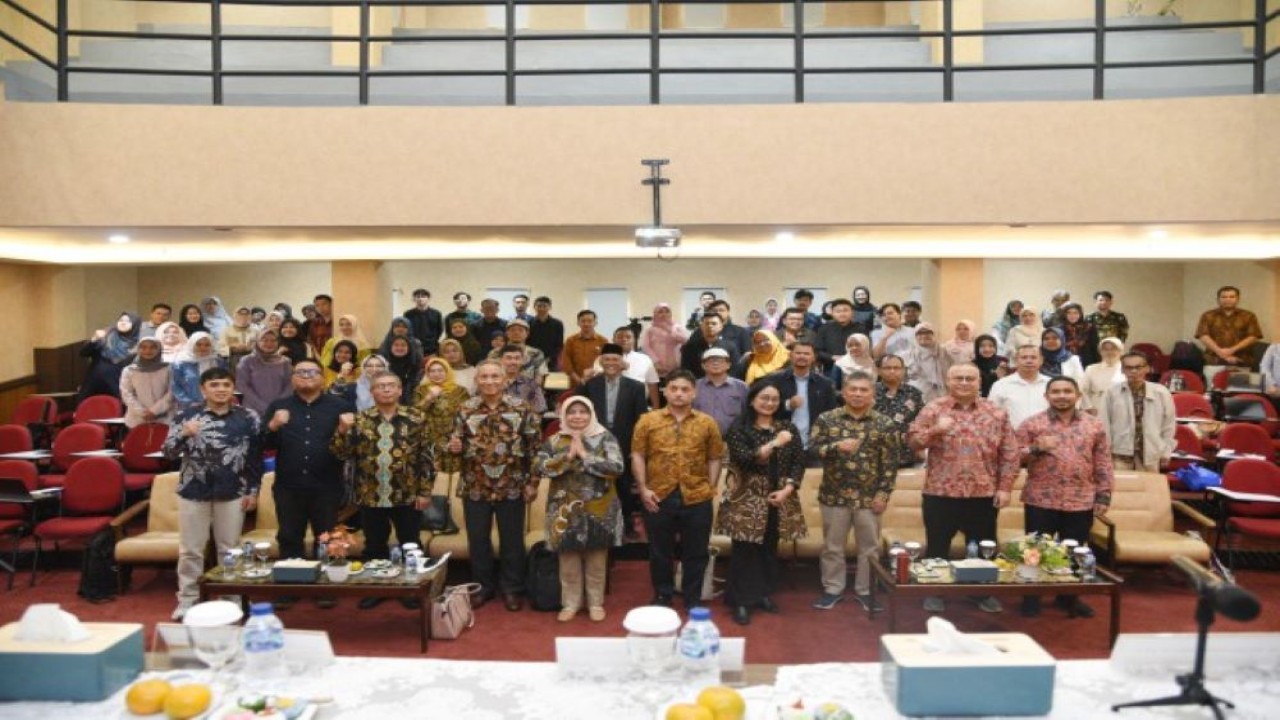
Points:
[(424, 603), (1115, 612), (891, 598)]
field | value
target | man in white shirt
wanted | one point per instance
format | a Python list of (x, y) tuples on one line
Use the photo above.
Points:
[(892, 337), (639, 366), (1023, 393)]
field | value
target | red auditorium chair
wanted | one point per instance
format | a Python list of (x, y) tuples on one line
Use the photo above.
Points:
[(38, 414), (91, 497), (1251, 519), (1187, 405), (98, 407), (81, 437), (1191, 382), (1187, 442), (1272, 423), (141, 441), (15, 517), (14, 438), (1247, 438)]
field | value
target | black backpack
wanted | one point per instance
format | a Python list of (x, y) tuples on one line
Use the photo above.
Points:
[(99, 574), (1186, 356), (543, 580)]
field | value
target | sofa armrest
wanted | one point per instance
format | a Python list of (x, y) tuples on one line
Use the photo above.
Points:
[(1204, 521), (1111, 538), (121, 521)]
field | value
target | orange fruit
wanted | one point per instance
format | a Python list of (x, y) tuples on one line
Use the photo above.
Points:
[(187, 701), (723, 702), (146, 697), (688, 711)]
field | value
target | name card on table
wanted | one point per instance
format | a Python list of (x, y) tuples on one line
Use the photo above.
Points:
[(303, 649), (608, 656)]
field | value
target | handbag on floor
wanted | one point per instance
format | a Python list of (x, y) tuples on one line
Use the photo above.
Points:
[(451, 612), (438, 516)]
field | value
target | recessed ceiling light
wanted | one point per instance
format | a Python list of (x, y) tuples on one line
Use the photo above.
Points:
[(1158, 234), (118, 239), (785, 237)]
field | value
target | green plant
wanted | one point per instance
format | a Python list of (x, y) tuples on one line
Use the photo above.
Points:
[(1037, 550)]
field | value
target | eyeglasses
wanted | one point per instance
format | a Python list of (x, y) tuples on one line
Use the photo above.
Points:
[(1133, 368), (386, 386), (306, 373)]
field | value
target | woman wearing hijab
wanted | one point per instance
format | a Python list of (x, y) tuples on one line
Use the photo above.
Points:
[(356, 390), (199, 355), (927, 364), (238, 340), (1080, 334), (145, 386), (991, 365), (767, 356), (1100, 376), (755, 320), (275, 319), (772, 314), (959, 349), (1011, 318), (460, 333), (109, 351), (663, 339), (464, 373), (439, 397), (584, 516), (341, 368), (761, 504), (191, 320), (1058, 360), (293, 341), (406, 362), (1027, 333), (347, 328), (265, 375), (215, 316), (172, 340), (400, 327), (864, 312), (857, 356)]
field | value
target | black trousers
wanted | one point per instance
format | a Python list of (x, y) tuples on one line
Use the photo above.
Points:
[(377, 523), (946, 516), (479, 517), (691, 525), (1067, 525), (297, 509), (626, 493), (753, 567)]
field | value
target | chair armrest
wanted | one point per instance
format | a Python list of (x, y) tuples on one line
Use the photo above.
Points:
[(1111, 538), (1200, 518), (119, 522)]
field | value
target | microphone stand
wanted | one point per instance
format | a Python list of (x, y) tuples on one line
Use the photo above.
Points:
[(1193, 689)]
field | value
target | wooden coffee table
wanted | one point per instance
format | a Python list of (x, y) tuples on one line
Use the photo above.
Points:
[(423, 586), (1107, 583)]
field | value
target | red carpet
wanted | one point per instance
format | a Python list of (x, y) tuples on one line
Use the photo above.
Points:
[(1154, 601)]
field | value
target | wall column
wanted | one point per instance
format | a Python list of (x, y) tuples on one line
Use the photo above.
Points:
[(966, 15), (356, 291), (961, 295)]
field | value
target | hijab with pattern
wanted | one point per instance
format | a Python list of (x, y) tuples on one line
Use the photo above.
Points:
[(593, 428)]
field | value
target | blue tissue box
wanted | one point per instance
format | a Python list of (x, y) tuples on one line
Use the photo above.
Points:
[(86, 671), (296, 571), (975, 570), (1017, 681)]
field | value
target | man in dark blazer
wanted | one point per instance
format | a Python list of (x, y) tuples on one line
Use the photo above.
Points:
[(820, 393), (629, 403)]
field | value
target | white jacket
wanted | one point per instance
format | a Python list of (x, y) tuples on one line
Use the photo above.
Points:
[(1158, 421)]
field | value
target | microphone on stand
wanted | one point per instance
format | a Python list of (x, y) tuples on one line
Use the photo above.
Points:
[(1229, 599)]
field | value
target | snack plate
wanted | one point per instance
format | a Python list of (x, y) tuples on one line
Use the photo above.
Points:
[(387, 572), (255, 573), (232, 710)]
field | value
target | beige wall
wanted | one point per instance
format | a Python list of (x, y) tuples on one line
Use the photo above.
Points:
[(1196, 159), (262, 284), (20, 294)]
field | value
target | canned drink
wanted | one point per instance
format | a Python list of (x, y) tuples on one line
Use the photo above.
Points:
[(903, 568)]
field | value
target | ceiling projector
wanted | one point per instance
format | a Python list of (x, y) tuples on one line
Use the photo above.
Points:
[(657, 237)]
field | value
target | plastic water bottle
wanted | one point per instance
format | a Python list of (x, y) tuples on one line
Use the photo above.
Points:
[(264, 645), (699, 648), (971, 550), (1088, 566), (396, 557)]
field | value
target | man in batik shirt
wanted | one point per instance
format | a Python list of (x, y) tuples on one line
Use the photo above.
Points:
[(498, 437), (1108, 322), (1228, 333), (898, 401)]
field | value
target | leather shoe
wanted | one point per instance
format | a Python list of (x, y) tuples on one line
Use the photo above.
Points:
[(1080, 610), (662, 600), (482, 597), (742, 615), (769, 606), (512, 602), (411, 603), (369, 603)]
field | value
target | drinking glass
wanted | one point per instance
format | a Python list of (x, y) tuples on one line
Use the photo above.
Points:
[(229, 560), (913, 550), (988, 549), (215, 645), (260, 553)]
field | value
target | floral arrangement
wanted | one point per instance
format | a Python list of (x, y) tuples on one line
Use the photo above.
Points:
[(1037, 551), (337, 543)]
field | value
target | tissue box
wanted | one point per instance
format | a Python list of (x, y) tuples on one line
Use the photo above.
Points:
[(1018, 681), (296, 571), (975, 570), (89, 670)]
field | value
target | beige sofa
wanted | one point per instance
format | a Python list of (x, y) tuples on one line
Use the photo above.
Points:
[(158, 544), (1138, 529)]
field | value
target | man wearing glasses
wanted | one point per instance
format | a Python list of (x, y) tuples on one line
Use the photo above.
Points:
[(308, 488), (1140, 418), (972, 463)]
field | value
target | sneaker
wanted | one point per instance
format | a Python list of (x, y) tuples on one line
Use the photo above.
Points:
[(990, 604), (826, 601), (868, 602), (181, 611), (596, 614), (934, 605)]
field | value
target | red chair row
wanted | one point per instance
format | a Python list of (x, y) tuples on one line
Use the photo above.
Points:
[(1252, 519)]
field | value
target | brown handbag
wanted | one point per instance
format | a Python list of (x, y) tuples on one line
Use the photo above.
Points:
[(451, 612)]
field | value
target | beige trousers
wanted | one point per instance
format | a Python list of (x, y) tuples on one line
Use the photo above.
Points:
[(1125, 462), (574, 566), (195, 520), (836, 523)]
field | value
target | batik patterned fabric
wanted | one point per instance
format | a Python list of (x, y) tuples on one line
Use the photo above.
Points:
[(498, 446), (976, 458), (391, 459), (583, 511), (223, 461), (1077, 474), (902, 408), (744, 514), (868, 473)]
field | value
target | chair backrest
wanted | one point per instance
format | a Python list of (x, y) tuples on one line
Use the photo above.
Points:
[(1186, 439), (162, 514), (1151, 350), (905, 511), (1140, 501), (17, 470), (1192, 405), (142, 440), (14, 438), (265, 519), (94, 486), (80, 437), (34, 410), (1260, 402), (98, 407), (1247, 438), (1252, 476), (1191, 382)]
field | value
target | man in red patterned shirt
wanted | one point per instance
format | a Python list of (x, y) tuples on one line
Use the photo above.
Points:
[(1069, 476), (973, 461)]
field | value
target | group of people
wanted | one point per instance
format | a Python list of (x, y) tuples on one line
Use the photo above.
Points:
[(644, 430)]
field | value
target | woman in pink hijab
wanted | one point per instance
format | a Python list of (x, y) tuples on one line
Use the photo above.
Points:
[(662, 340), (959, 349)]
